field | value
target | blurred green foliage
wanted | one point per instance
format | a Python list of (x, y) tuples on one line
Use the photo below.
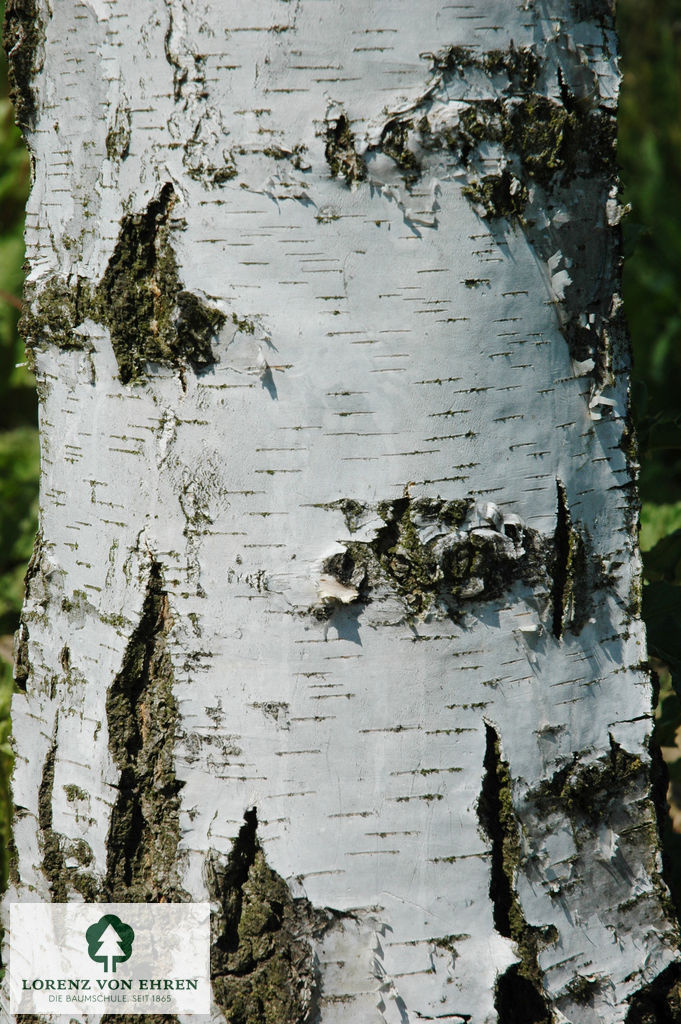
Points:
[(649, 153), (650, 160)]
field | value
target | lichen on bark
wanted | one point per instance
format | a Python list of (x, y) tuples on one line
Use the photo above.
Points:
[(262, 958), (142, 844)]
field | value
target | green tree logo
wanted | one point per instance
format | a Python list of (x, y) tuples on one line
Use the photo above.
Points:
[(109, 941)]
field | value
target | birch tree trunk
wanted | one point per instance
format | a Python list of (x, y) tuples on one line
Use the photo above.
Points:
[(333, 616)]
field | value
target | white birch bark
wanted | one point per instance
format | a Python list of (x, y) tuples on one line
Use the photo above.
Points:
[(339, 586)]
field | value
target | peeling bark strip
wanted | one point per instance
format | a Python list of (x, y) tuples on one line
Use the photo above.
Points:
[(150, 317), (394, 502), (142, 864), (262, 960)]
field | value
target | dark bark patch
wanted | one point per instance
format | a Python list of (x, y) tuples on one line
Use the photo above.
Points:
[(142, 719), (586, 792), (150, 317), (454, 568), (53, 858), (262, 961), (23, 35), (562, 560), (341, 155), (22, 666)]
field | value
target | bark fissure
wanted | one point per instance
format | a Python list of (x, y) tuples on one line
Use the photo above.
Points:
[(141, 712), (577, 572), (263, 967), (520, 997)]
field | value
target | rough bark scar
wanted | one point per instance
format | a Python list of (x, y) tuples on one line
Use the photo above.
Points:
[(150, 317), (341, 154), (142, 716), (262, 960), (23, 35)]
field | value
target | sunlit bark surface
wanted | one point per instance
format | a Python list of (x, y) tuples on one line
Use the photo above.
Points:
[(333, 615)]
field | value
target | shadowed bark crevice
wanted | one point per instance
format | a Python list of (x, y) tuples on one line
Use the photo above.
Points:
[(560, 565), (669, 840), (142, 719), (263, 966), (519, 996), (576, 570)]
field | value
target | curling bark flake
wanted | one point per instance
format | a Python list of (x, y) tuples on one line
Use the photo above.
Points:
[(334, 616)]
